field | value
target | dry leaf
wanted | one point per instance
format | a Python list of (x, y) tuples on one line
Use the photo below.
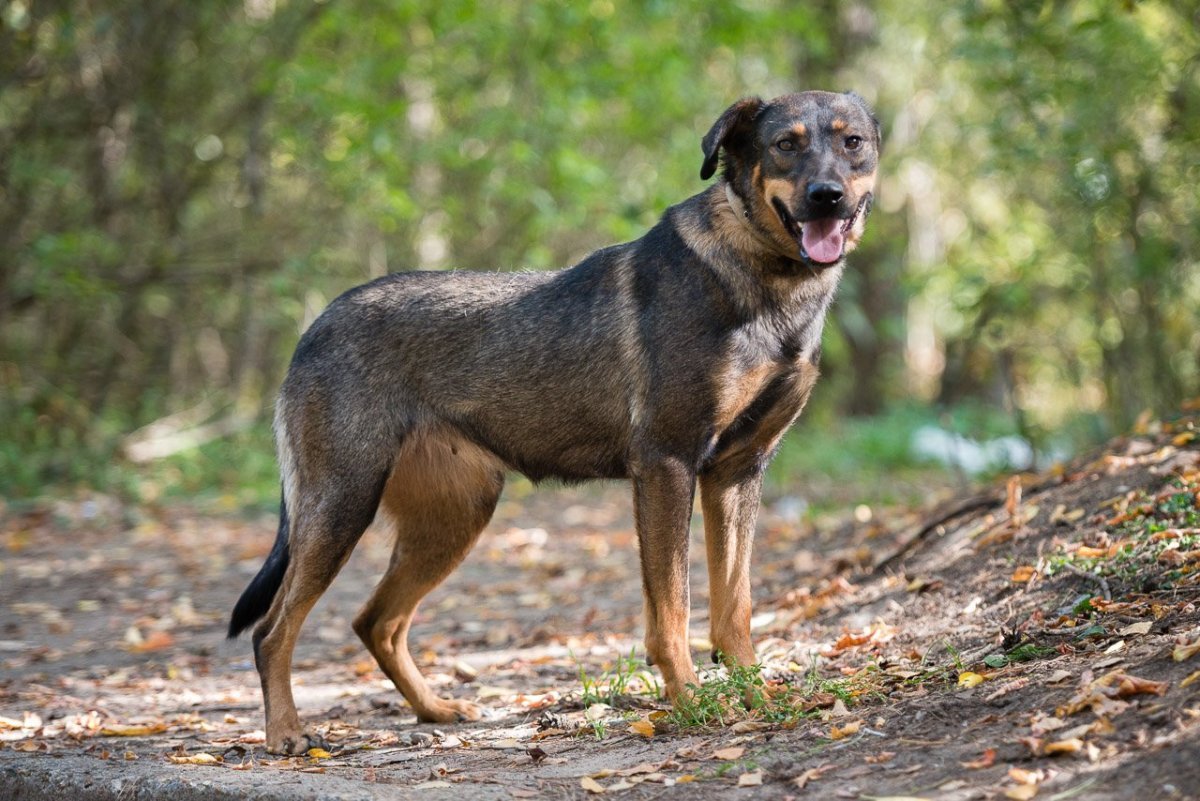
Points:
[(747, 726), (1186, 651), (1023, 574), (1022, 776), (642, 727), (194, 759), (1022, 792), (591, 785), (841, 732), (986, 761), (1071, 745), (1131, 685), (880, 758), (751, 779), (644, 768), (157, 641), (1136, 628), (319, 753), (1190, 679), (29, 745), (810, 775), (133, 729), (969, 679), (729, 753)]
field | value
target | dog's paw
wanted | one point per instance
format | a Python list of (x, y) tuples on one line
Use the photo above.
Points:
[(295, 743), (450, 711)]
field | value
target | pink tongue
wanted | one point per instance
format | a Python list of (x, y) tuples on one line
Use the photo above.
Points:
[(822, 240)]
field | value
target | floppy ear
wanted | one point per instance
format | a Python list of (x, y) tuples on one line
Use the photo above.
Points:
[(740, 114)]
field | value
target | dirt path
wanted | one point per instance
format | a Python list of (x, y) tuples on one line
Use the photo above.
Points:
[(1033, 647)]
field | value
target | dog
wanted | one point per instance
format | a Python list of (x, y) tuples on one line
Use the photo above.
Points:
[(677, 360)]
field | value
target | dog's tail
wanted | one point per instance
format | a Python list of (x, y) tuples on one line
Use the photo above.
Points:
[(257, 597)]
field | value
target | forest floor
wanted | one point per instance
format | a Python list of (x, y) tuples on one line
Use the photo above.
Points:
[(1036, 640)]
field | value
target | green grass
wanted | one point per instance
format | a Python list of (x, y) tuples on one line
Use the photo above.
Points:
[(627, 676), (743, 693)]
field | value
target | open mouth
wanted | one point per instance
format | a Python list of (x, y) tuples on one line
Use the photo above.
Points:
[(822, 241)]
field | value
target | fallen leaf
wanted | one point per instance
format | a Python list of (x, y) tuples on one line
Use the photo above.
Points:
[(841, 732), (29, 745), (1190, 679), (319, 753), (643, 727), (644, 768), (1072, 745), (132, 729), (194, 759), (1022, 574), (1022, 776), (729, 753), (810, 775), (751, 779), (880, 758), (157, 641), (747, 726), (1022, 792), (1136, 628), (1186, 651), (1131, 685), (591, 785), (986, 761), (969, 679)]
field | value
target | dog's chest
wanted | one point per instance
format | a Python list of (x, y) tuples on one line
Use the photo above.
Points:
[(737, 387)]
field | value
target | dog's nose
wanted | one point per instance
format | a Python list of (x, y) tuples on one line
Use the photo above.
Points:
[(824, 193)]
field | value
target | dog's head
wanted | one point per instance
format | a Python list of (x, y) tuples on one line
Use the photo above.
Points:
[(804, 166)]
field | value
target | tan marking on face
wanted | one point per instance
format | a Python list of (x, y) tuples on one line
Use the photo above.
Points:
[(801, 130), (783, 190), (838, 124), (861, 185)]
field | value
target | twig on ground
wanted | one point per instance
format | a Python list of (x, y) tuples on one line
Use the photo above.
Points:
[(1098, 580)]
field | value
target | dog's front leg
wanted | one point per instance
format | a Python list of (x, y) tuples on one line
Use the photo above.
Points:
[(662, 495), (730, 505)]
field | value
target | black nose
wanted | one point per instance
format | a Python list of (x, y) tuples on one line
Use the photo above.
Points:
[(824, 193)]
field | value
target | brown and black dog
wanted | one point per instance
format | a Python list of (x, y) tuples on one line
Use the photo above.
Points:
[(676, 359)]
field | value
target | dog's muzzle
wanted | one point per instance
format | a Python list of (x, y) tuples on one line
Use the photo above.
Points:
[(822, 240)]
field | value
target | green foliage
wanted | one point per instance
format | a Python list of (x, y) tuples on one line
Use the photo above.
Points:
[(742, 691), (183, 186)]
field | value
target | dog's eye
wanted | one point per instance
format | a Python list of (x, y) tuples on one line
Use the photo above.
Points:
[(786, 144), (853, 142)]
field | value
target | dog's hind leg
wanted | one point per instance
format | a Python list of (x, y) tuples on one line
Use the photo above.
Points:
[(333, 497), (441, 495)]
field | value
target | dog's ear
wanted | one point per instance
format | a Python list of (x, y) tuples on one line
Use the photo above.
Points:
[(737, 117)]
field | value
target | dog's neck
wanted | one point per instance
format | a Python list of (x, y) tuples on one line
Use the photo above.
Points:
[(742, 214)]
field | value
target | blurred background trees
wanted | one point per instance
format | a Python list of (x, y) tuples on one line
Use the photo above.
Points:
[(184, 185)]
